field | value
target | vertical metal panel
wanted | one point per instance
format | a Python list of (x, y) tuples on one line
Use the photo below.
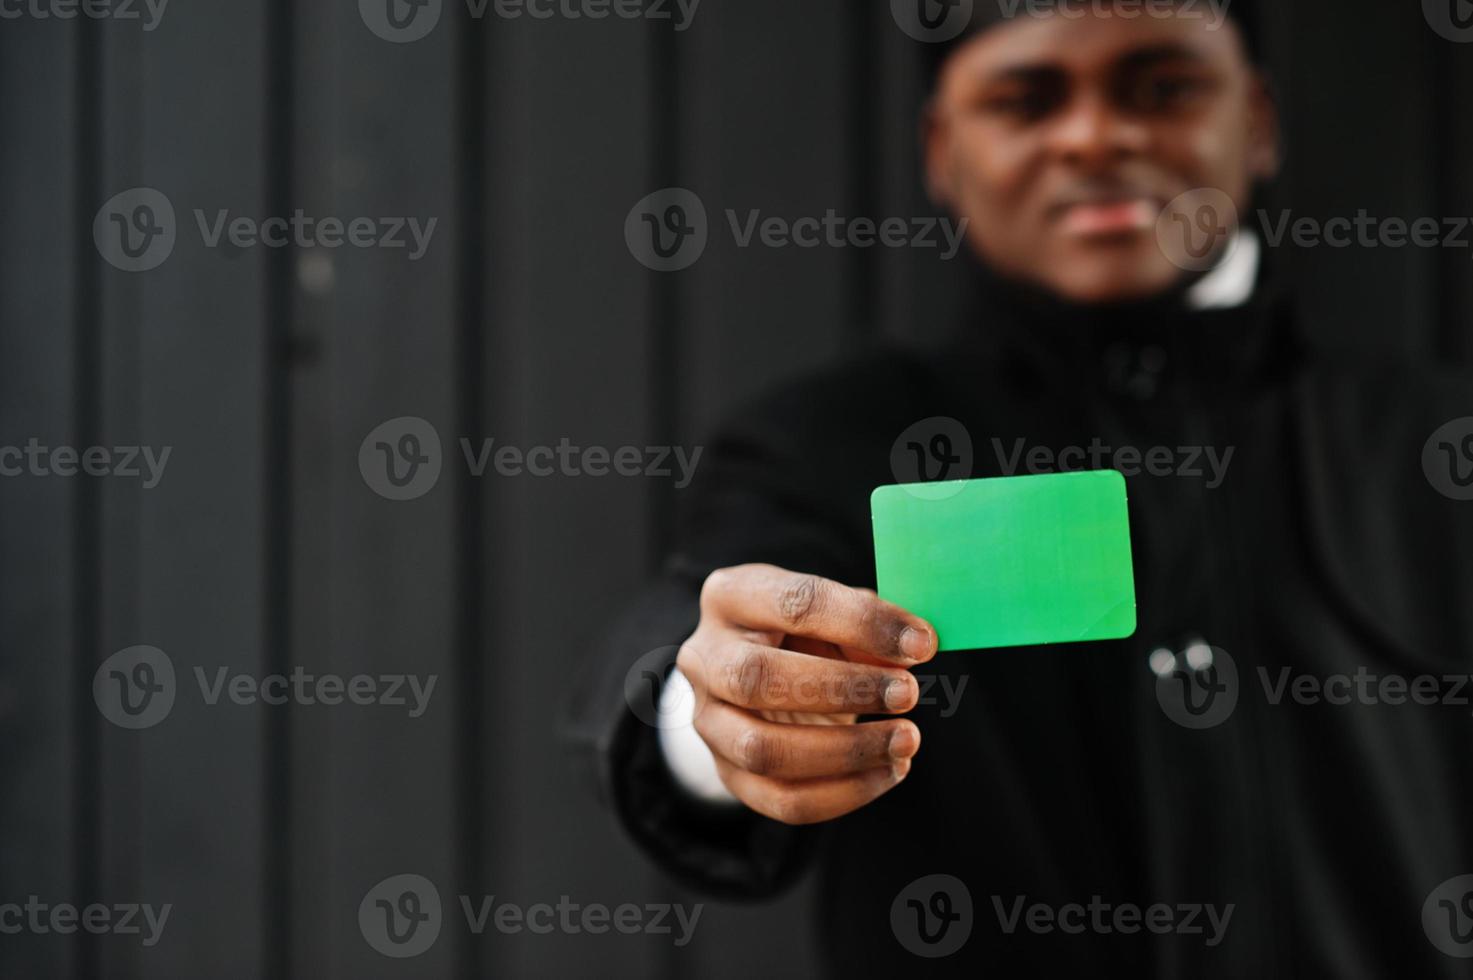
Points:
[(374, 579), (182, 810), (38, 613), (764, 103), (568, 349), (119, 813), (767, 126)]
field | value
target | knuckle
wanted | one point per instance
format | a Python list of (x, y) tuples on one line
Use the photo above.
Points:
[(692, 659), (750, 674), (866, 749), (717, 584), (702, 722), (791, 807), (758, 753), (798, 602), (870, 620)]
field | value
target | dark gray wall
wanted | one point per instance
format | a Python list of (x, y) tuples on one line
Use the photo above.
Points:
[(527, 320)]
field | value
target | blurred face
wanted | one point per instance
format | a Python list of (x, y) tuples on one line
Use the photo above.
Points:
[(1061, 139)]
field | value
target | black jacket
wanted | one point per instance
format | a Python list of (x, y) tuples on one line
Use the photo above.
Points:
[(1060, 777)]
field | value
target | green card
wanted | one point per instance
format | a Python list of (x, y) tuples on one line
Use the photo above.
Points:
[(1008, 562)]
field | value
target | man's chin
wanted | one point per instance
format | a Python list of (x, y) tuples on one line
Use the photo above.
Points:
[(1113, 281)]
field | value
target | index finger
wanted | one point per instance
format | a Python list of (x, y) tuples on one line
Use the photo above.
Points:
[(767, 598)]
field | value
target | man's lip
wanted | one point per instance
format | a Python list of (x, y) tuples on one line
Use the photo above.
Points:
[(1109, 216)]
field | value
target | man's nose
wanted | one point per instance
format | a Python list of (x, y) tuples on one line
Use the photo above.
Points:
[(1093, 132)]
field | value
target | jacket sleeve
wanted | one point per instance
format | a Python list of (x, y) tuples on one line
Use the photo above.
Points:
[(753, 500)]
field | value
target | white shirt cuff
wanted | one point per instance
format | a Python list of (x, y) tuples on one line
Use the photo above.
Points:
[(685, 751)]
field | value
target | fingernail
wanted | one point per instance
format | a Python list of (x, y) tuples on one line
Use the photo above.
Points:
[(900, 770), (898, 695), (903, 742), (917, 644)]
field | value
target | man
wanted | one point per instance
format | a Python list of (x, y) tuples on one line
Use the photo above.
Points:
[(1083, 820)]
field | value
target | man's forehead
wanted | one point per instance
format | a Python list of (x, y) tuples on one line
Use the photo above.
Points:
[(1056, 41), (1057, 31)]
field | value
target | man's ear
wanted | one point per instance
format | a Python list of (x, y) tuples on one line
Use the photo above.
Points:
[(1264, 151), (936, 154)]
